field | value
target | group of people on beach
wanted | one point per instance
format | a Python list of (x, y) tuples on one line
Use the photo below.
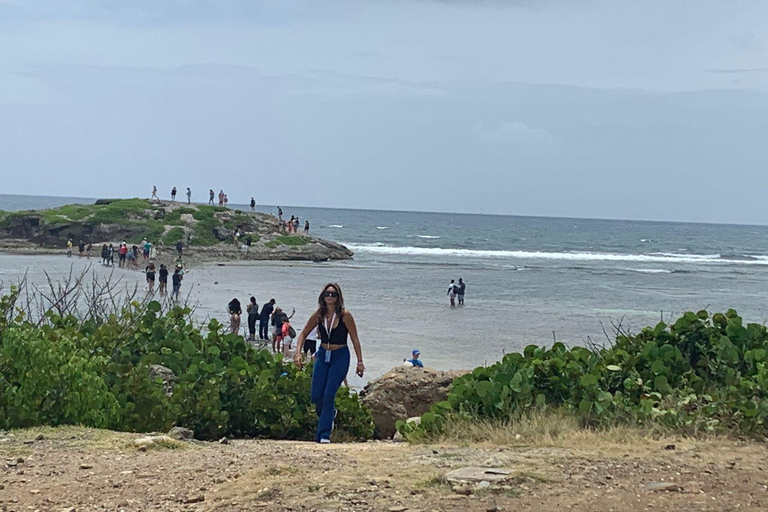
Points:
[(82, 248), (456, 291), (291, 225)]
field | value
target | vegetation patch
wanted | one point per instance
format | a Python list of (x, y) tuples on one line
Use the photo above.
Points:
[(93, 369), (173, 236), (286, 240), (700, 373)]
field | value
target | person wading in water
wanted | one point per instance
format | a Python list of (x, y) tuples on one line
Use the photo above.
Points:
[(334, 325)]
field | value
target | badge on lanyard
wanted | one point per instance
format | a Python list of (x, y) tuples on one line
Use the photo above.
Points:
[(328, 332)]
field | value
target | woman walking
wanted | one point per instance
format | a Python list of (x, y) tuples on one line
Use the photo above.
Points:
[(334, 324), (253, 317)]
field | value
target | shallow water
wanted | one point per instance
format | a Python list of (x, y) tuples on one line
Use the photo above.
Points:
[(529, 280)]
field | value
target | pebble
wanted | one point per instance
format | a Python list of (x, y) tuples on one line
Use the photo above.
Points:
[(86, 466), (664, 486)]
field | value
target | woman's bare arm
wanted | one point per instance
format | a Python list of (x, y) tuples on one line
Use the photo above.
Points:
[(349, 321)]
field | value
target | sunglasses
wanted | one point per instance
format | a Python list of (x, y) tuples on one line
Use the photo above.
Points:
[(331, 294)]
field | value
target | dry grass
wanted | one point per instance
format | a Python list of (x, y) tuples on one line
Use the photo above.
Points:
[(558, 429)]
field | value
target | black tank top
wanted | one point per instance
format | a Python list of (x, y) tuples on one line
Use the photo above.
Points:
[(338, 334)]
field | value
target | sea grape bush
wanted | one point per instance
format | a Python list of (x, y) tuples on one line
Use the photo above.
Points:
[(96, 373), (700, 372)]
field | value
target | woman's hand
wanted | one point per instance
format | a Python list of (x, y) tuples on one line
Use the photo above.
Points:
[(360, 369), (297, 359)]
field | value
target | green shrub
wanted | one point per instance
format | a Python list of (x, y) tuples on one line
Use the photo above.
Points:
[(96, 373), (286, 240), (173, 236), (697, 373)]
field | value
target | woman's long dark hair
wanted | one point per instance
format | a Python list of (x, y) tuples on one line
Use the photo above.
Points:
[(322, 310)]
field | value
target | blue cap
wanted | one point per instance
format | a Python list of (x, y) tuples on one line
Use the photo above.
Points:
[(416, 352)]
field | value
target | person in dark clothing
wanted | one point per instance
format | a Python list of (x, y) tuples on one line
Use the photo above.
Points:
[(104, 255), (306, 227), (253, 205), (210, 197), (253, 315), (234, 315), (179, 247), (460, 291), (266, 312), (173, 194), (177, 277), (163, 275), (278, 317), (81, 248), (150, 273)]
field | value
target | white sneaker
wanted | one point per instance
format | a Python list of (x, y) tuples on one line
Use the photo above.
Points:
[(325, 441)]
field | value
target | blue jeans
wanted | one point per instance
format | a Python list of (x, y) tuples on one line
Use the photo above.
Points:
[(326, 381)]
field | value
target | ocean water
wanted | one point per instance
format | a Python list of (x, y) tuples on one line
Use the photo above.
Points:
[(529, 279)]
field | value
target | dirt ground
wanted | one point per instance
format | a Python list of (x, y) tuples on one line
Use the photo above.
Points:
[(76, 469)]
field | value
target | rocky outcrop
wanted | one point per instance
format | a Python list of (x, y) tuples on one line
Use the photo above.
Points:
[(404, 392), (167, 376), (206, 231)]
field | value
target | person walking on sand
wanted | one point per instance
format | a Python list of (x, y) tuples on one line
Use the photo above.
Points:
[(80, 248), (104, 255), (154, 193), (173, 194), (452, 293), (111, 255), (253, 205), (266, 312), (88, 250), (150, 272), (235, 311), (335, 324), (460, 291), (278, 317), (163, 275), (69, 248), (253, 316), (176, 280), (210, 197), (189, 195)]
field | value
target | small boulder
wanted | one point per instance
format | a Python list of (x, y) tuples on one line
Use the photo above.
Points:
[(404, 393), (166, 374), (181, 434)]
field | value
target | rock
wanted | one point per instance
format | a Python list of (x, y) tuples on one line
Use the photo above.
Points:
[(86, 466), (404, 393), (476, 474), (664, 486), (222, 233), (39, 437), (144, 442), (194, 499), (223, 440), (398, 438), (669, 447), (166, 374), (181, 434)]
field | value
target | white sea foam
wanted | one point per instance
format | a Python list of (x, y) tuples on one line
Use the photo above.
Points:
[(336, 226), (649, 270), (542, 255), (428, 236), (382, 227)]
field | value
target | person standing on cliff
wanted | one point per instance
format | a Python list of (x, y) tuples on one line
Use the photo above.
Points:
[(173, 194), (306, 227), (279, 214), (210, 197), (189, 196), (221, 198), (154, 193), (253, 205)]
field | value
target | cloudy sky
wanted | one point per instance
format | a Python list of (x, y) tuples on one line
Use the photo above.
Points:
[(585, 108)]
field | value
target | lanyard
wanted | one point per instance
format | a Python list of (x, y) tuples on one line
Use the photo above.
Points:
[(329, 328)]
